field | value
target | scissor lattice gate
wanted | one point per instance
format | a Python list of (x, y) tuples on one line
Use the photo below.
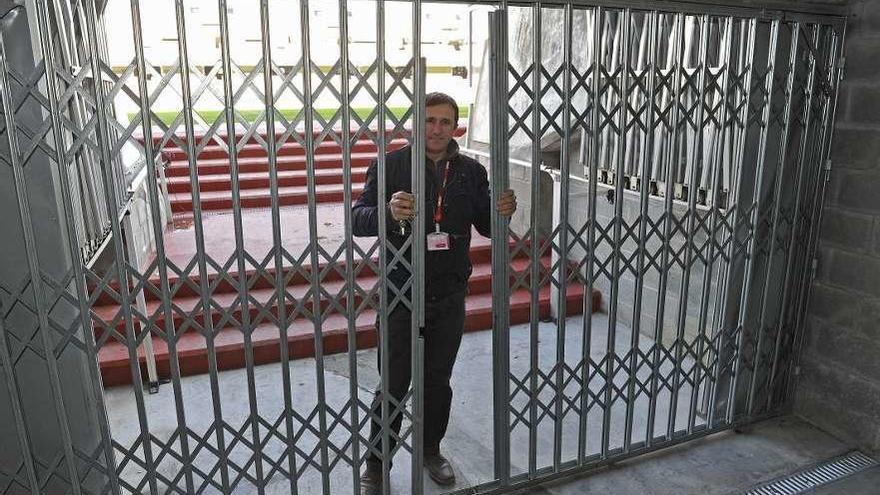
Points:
[(688, 155), (691, 164)]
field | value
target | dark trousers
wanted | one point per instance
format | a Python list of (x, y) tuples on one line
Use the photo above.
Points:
[(444, 324)]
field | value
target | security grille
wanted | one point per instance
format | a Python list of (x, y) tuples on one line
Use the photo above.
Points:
[(693, 148), (705, 278)]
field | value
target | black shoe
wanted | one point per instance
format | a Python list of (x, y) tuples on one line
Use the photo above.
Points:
[(440, 469), (371, 481)]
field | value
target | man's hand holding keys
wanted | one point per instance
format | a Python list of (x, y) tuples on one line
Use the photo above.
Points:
[(402, 205)]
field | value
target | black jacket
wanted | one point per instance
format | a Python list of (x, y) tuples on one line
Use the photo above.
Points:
[(465, 204)]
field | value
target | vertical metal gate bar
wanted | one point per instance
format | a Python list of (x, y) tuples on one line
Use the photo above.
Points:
[(671, 154), (677, 51), (835, 75), (150, 156), (48, 52), (777, 207), (716, 162), (534, 259), (562, 271), (747, 59), (498, 108), (7, 364), (204, 287), (246, 326), (417, 322), (803, 163), (277, 244), (315, 273), (382, 195), (757, 203), (650, 24), (624, 20), (692, 213), (583, 433), (350, 299)]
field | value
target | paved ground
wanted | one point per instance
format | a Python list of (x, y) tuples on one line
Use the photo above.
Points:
[(723, 464), (864, 483)]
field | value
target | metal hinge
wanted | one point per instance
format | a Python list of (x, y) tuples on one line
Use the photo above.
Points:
[(814, 268), (841, 68)]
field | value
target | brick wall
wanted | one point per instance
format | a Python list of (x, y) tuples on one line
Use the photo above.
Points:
[(839, 387)]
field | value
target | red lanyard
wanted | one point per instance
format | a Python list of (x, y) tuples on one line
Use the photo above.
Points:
[(438, 211)]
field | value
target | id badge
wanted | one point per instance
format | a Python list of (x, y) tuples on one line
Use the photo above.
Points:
[(438, 241)]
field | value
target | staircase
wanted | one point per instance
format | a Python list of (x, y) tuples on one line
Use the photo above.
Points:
[(215, 189)]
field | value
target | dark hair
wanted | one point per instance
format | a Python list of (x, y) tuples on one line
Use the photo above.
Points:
[(438, 98)]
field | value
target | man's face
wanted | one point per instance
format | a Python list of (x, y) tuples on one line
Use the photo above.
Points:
[(439, 126)]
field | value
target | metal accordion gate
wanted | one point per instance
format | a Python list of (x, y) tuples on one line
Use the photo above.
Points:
[(673, 159), (688, 155)]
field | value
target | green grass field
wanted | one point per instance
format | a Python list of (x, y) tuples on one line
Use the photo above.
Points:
[(251, 115)]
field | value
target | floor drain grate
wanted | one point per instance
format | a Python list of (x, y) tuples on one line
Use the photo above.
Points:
[(823, 474)]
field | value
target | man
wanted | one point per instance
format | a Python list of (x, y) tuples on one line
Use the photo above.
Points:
[(456, 199)]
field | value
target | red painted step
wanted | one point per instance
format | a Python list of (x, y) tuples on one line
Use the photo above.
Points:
[(261, 180), (300, 335), (113, 356), (260, 198), (263, 295), (287, 149), (261, 164), (390, 134), (480, 253), (213, 173)]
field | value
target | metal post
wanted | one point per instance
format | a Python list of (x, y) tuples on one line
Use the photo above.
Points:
[(535, 252), (417, 321), (141, 304), (382, 195), (500, 250)]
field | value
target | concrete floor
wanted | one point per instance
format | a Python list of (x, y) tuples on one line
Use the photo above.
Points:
[(864, 483), (723, 464)]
